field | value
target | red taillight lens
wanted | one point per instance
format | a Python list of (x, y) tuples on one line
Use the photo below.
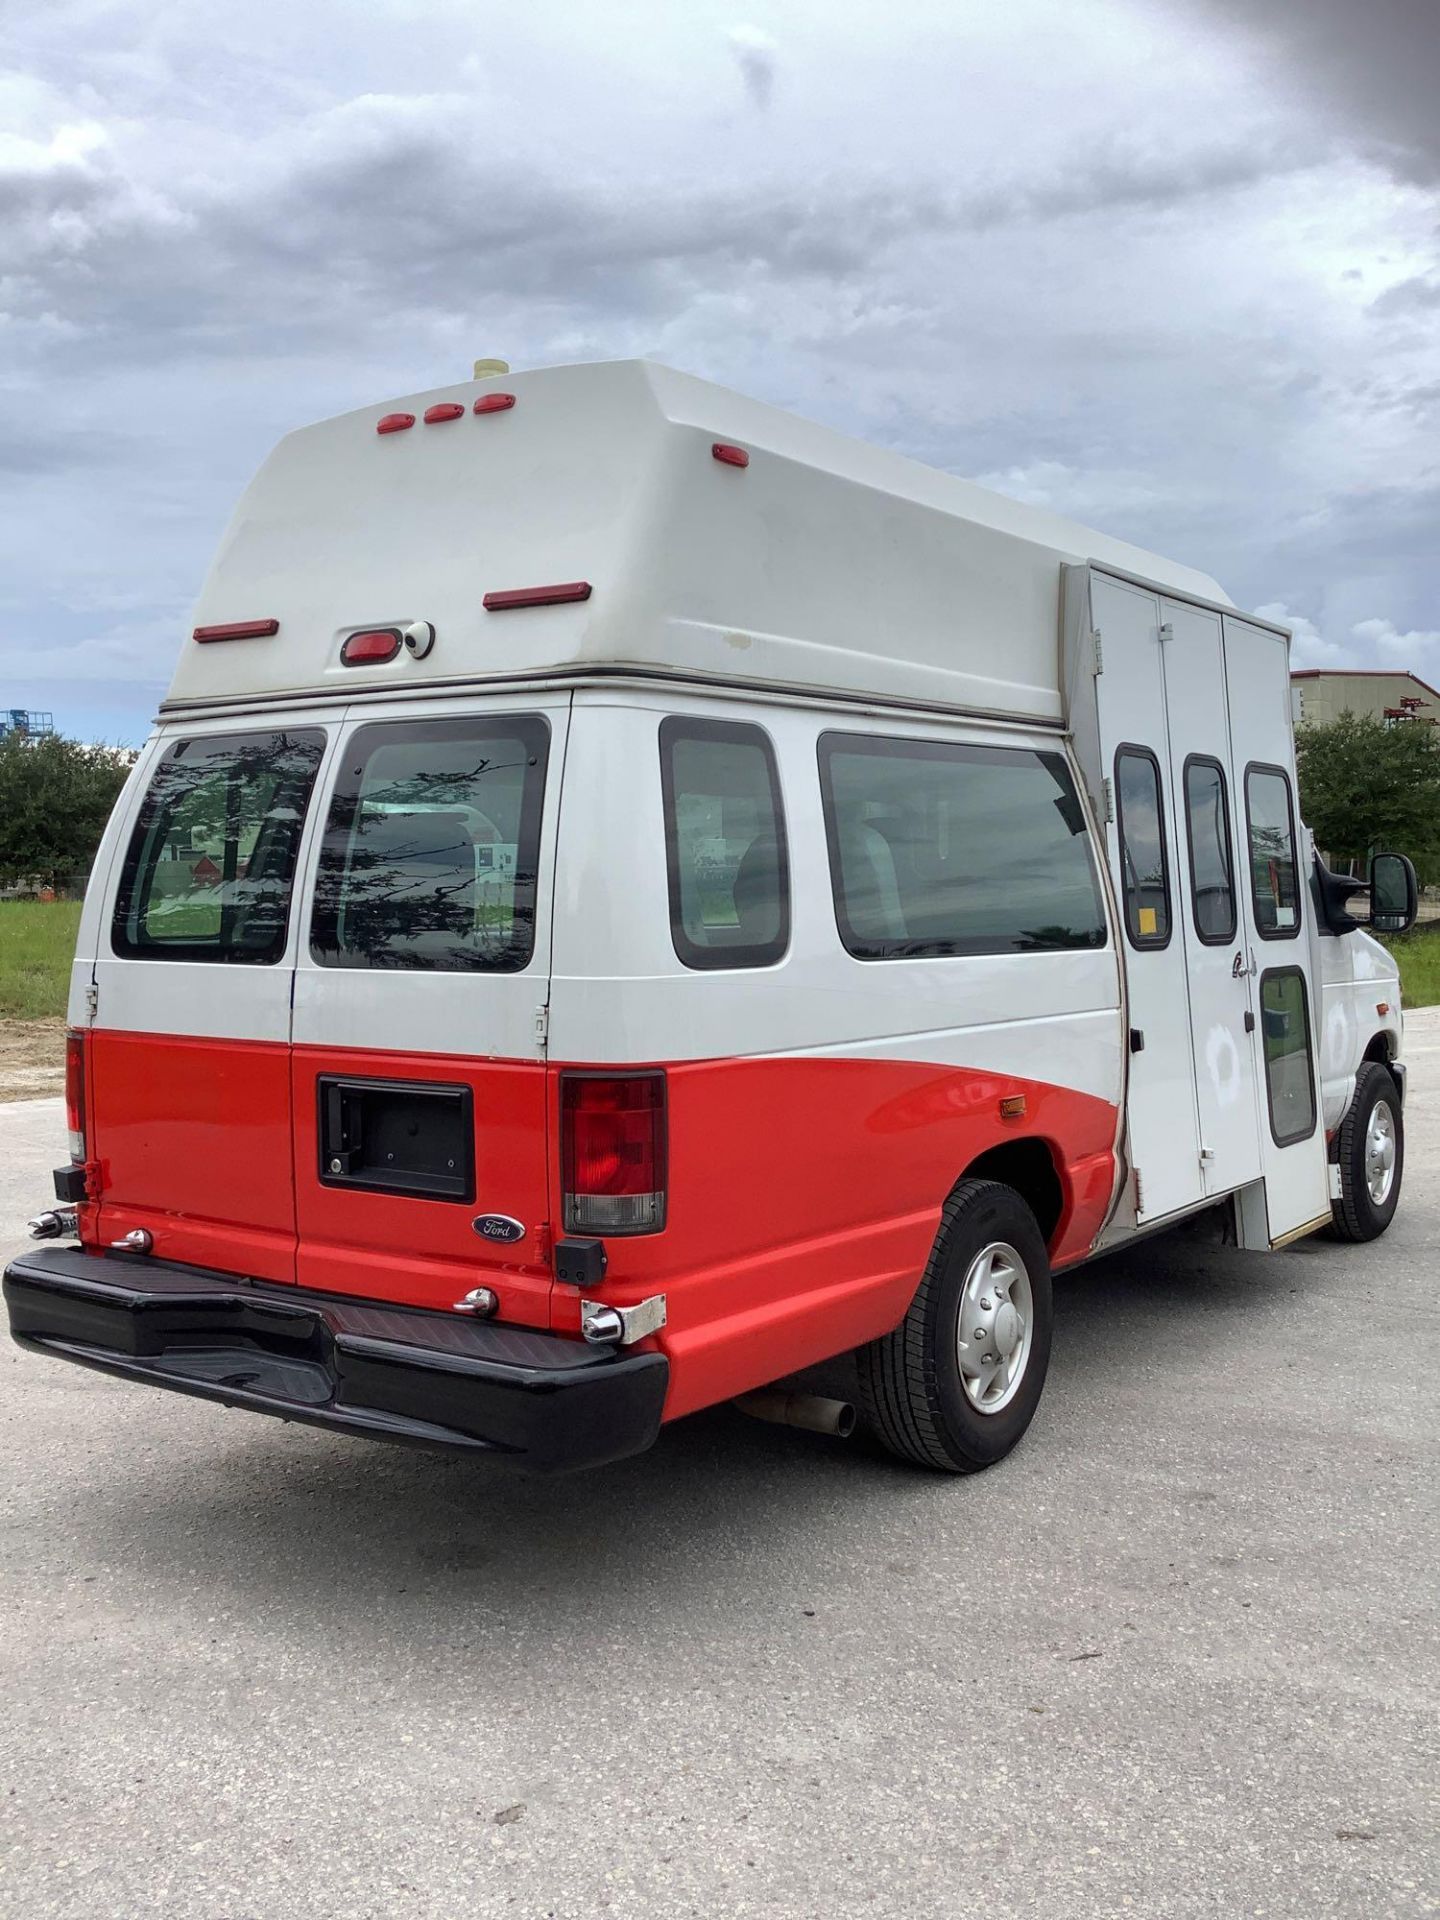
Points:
[(238, 630), (366, 649), (394, 423), (75, 1095), (729, 456), (442, 410), (495, 403), (612, 1142)]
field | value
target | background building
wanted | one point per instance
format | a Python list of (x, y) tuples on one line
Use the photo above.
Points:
[(1317, 697)]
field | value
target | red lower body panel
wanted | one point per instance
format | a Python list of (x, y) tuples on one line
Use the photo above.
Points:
[(804, 1193)]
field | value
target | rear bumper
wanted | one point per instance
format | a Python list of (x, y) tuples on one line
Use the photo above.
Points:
[(354, 1366)]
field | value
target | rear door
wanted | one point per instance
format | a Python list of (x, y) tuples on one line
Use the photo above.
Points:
[(189, 1067), (420, 1096)]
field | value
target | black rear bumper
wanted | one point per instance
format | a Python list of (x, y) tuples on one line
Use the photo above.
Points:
[(354, 1366)]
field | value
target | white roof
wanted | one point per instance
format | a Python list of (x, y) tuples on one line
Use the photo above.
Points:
[(825, 564)]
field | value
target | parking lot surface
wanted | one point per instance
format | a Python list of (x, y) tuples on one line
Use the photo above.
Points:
[(1176, 1656)]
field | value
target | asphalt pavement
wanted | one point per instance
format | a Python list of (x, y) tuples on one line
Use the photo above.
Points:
[(1177, 1656)]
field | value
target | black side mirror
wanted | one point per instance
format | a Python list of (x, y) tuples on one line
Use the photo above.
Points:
[(1394, 893)]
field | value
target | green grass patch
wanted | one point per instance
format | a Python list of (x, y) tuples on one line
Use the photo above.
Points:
[(1419, 955), (37, 944)]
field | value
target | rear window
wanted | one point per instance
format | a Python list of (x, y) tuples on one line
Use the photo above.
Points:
[(431, 846), (211, 863), (725, 844)]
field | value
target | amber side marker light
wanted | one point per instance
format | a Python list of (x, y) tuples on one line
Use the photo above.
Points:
[(1012, 1107), (729, 456), (537, 596), (238, 630)]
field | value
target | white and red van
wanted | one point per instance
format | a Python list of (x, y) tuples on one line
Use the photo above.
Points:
[(632, 896)]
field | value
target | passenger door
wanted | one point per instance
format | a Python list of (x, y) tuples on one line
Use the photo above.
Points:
[(193, 962), (420, 1095), (1147, 865), (1216, 951), (1292, 1148)]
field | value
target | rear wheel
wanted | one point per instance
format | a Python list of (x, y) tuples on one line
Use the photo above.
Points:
[(957, 1382), (1370, 1150)]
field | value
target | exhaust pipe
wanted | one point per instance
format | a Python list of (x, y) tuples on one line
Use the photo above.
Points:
[(808, 1410)]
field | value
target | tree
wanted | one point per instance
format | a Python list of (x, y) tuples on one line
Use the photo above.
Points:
[(55, 797), (1366, 786)]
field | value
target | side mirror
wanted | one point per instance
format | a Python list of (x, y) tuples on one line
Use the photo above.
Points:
[(1394, 893)]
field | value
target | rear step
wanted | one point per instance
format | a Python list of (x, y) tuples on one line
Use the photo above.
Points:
[(354, 1366)]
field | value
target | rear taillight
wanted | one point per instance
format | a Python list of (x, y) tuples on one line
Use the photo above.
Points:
[(370, 648), (612, 1140), (75, 1095)]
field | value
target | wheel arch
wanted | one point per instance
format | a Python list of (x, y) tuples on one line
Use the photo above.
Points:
[(1028, 1166)]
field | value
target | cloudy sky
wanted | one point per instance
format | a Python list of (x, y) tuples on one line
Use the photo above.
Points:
[(1171, 266)]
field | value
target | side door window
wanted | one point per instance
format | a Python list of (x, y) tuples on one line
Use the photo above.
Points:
[(1289, 1069), (1212, 868), (1274, 871), (1144, 863)]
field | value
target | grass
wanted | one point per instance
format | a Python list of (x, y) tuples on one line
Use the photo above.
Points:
[(37, 944), (1419, 955)]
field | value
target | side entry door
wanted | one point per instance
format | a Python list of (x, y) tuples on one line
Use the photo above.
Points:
[(1217, 948), (1147, 863)]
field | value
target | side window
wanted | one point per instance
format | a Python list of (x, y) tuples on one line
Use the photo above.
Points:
[(431, 847), (1144, 864), (211, 862), (938, 849), (1212, 868), (1289, 1072), (725, 846), (1273, 868)]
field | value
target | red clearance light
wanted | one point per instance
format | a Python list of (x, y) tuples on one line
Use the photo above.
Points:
[(368, 649), (495, 403), (75, 1095), (395, 423), (613, 1152), (239, 630), (443, 410), (537, 596), (730, 456)]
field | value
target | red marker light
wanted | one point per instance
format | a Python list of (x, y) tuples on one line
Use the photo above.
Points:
[(238, 630), (537, 596), (495, 403), (730, 456), (369, 649), (443, 410), (395, 423)]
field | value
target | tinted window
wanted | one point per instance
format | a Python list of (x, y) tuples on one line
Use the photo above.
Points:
[(1207, 826), (938, 849), (430, 849), (1285, 1030), (1144, 866), (211, 862), (1272, 853), (725, 844)]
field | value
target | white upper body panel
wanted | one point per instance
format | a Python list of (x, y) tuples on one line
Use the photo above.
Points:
[(825, 565)]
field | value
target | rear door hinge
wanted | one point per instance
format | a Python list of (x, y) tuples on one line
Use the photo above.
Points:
[(1097, 651), (92, 1000), (1166, 632), (1107, 795), (542, 1028)]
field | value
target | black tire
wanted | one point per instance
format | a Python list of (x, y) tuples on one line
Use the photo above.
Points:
[(1356, 1214), (911, 1386)]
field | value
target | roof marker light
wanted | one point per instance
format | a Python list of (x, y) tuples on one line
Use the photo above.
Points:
[(728, 455), (238, 630), (495, 403), (443, 410), (537, 596), (370, 648), (395, 423)]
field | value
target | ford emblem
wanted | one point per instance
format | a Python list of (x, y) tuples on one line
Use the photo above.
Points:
[(498, 1226)]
